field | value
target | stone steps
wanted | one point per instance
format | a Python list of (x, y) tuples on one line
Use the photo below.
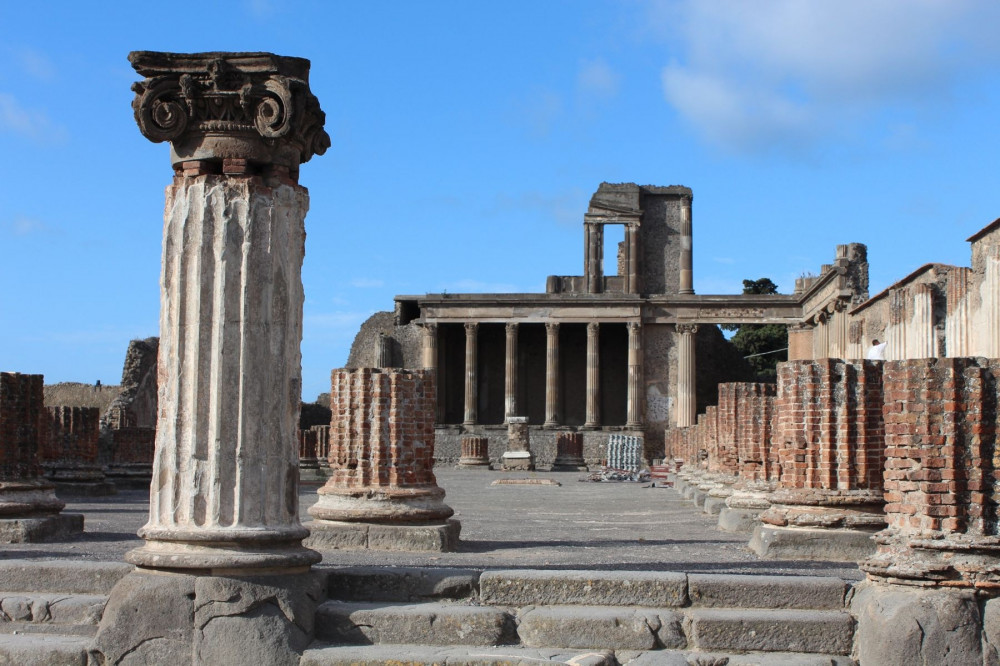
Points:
[(627, 615), (43, 650)]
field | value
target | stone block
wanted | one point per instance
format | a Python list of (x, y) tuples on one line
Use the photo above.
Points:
[(795, 630), (441, 538), (714, 505), (36, 650), (333, 535), (40, 529), (427, 655), (751, 591), (739, 520), (424, 624), (796, 543), (594, 588), (62, 577), (401, 584), (618, 628)]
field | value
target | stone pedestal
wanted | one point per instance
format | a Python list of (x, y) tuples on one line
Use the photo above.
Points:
[(29, 508), (518, 455), (569, 453), (68, 451), (224, 497), (382, 493), (475, 452)]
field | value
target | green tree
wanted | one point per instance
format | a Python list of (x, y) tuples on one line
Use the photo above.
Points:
[(763, 345)]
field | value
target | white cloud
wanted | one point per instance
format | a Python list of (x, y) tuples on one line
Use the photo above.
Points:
[(565, 208), (596, 79), (538, 110), (16, 119), (753, 75)]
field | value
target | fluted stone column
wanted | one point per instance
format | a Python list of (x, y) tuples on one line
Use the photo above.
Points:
[(687, 246), (595, 258), (551, 374), (510, 372), (686, 402), (632, 276), (471, 374), (383, 358), (430, 346), (593, 416), (634, 398), (225, 478)]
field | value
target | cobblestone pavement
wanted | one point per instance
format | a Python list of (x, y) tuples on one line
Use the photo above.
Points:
[(575, 525)]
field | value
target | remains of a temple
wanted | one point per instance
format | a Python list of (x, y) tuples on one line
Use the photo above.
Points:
[(932, 585), (29, 508), (309, 454), (518, 455), (382, 493), (128, 427), (569, 453), (224, 498), (68, 451), (475, 452), (829, 441)]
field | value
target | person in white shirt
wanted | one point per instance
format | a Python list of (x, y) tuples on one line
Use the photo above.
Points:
[(877, 351)]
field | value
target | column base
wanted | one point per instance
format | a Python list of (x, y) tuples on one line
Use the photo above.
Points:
[(518, 461), (739, 520), (798, 543), (935, 558), (35, 529), (475, 463), (441, 537), (383, 505), (224, 551)]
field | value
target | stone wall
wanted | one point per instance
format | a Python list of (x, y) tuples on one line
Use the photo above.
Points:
[(136, 404)]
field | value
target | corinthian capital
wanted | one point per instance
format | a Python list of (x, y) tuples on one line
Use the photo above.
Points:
[(213, 107)]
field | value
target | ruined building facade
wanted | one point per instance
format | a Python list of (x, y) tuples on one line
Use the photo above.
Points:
[(595, 352)]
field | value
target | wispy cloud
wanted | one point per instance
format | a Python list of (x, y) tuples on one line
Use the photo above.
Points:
[(784, 74), (367, 283), (596, 79), (28, 123), (27, 226), (538, 110), (565, 208), (34, 63), (724, 260)]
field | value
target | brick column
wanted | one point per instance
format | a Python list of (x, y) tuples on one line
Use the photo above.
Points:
[(686, 404), (635, 396), (225, 481), (510, 372), (382, 493), (829, 441), (475, 452), (552, 374), (757, 461), (593, 414), (29, 508), (569, 452), (471, 374), (68, 451), (723, 464)]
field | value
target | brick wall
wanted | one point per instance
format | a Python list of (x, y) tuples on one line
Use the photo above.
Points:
[(133, 445), (308, 445), (757, 459), (21, 408), (829, 431), (70, 435), (382, 429), (722, 455)]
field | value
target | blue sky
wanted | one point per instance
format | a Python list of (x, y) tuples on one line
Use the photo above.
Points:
[(469, 136)]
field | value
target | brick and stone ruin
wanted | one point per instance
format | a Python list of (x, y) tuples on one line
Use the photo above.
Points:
[(890, 464)]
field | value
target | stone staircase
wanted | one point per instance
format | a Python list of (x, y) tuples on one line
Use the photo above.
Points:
[(449, 616), (49, 610)]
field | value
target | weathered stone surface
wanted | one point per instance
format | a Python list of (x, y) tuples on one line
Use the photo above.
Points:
[(424, 655), (794, 543), (628, 628), (36, 650), (61, 576), (746, 591), (604, 588), (900, 626), (51, 608), (41, 528), (797, 630), (440, 537), (425, 623), (739, 520), (401, 584), (684, 658)]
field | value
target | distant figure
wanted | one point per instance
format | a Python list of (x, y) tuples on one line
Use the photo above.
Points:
[(877, 351), (98, 385)]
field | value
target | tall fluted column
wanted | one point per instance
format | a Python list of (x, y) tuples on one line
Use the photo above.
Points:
[(552, 374), (635, 397), (225, 478), (632, 244), (510, 373), (593, 418), (687, 406), (595, 258), (687, 245), (430, 362), (471, 374)]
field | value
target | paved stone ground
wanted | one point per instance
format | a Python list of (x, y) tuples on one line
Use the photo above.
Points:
[(578, 525)]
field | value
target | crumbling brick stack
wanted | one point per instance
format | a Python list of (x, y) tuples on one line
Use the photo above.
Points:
[(829, 440), (723, 456), (569, 452), (29, 509), (68, 450), (382, 492)]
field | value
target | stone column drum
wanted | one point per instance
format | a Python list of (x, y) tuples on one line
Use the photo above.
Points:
[(225, 478), (29, 508), (475, 452), (68, 451), (382, 493), (518, 455)]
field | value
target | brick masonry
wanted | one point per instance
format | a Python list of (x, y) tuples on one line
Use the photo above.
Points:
[(21, 409), (70, 435)]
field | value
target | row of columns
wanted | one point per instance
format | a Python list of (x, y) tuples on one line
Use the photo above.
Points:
[(634, 398)]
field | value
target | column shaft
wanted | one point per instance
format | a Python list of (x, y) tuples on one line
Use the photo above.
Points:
[(430, 362), (471, 374), (687, 245), (593, 418), (635, 397), (510, 372), (552, 374), (686, 404)]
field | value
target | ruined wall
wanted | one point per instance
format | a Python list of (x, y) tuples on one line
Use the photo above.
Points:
[(659, 238), (21, 410), (70, 435), (75, 394), (136, 404)]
